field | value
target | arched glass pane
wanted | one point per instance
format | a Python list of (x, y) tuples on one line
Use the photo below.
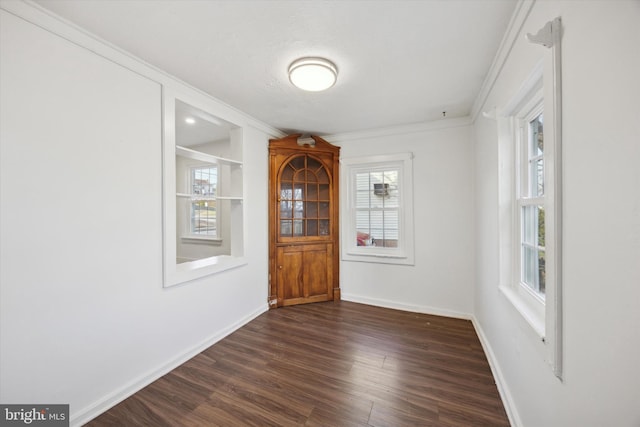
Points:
[(304, 197), (287, 173)]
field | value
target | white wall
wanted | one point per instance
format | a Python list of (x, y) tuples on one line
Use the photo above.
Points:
[(441, 281), (601, 93), (84, 317)]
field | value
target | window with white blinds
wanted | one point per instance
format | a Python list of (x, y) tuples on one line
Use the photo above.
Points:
[(379, 209)]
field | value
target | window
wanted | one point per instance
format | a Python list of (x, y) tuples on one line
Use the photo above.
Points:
[(379, 208), (526, 199), (203, 214), (531, 202), (530, 196)]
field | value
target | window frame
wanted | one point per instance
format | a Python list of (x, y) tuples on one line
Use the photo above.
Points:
[(404, 252), (175, 273), (191, 234), (531, 303)]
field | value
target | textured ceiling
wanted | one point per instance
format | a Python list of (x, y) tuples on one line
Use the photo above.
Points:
[(399, 62)]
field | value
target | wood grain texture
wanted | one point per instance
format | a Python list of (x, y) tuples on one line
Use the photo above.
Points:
[(304, 259), (327, 364)]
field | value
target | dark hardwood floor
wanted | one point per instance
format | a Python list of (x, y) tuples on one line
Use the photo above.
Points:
[(327, 364)]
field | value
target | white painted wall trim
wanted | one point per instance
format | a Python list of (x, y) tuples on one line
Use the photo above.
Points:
[(399, 130), (85, 415), (507, 399), (377, 302), (520, 15)]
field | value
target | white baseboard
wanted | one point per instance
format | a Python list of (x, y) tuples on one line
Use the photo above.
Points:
[(405, 307), (101, 405), (503, 389)]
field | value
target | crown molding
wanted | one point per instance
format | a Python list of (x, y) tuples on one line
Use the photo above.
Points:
[(399, 130), (49, 21), (514, 29)]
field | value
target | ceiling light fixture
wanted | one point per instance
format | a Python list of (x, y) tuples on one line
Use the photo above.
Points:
[(313, 74), (190, 120)]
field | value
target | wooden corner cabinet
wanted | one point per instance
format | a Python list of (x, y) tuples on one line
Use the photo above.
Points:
[(303, 221)]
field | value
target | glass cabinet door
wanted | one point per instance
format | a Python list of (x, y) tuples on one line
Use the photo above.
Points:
[(304, 199)]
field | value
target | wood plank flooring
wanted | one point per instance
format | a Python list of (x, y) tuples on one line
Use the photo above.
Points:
[(327, 364)]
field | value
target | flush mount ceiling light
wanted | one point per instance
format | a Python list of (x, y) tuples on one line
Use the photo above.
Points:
[(313, 74)]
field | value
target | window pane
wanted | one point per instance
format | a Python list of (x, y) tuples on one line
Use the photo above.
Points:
[(324, 210), (376, 224), (536, 171), (286, 207), (541, 272), (363, 238), (298, 209), (529, 267), (391, 225), (203, 217), (392, 200), (312, 227), (541, 227), (362, 221), (285, 228), (313, 164), (297, 163), (362, 181), (287, 173), (376, 177), (533, 230), (204, 181), (529, 225), (312, 192), (362, 199), (286, 191), (312, 210), (322, 176), (536, 136), (324, 227), (323, 192)]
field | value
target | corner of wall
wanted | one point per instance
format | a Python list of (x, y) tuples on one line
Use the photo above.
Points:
[(503, 388)]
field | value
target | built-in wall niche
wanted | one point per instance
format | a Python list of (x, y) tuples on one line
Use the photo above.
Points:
[(202, 188)]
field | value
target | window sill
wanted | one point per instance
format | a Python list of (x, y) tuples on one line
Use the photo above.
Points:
[(203, 240), (378, 257), (529, 313), (198, 269)]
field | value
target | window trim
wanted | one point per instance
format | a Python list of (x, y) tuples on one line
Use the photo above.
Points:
[(533, 108), (404, 253), (547, 78), (174, 273)]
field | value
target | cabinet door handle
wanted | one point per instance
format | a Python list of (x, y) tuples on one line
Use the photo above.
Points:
[(279, 267)]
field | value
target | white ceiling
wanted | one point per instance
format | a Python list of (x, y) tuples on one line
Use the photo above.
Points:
[(399, 62)]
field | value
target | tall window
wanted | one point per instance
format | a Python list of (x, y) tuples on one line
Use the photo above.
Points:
[(530, 195), (204, 183), (378, 204), (531, 202)]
